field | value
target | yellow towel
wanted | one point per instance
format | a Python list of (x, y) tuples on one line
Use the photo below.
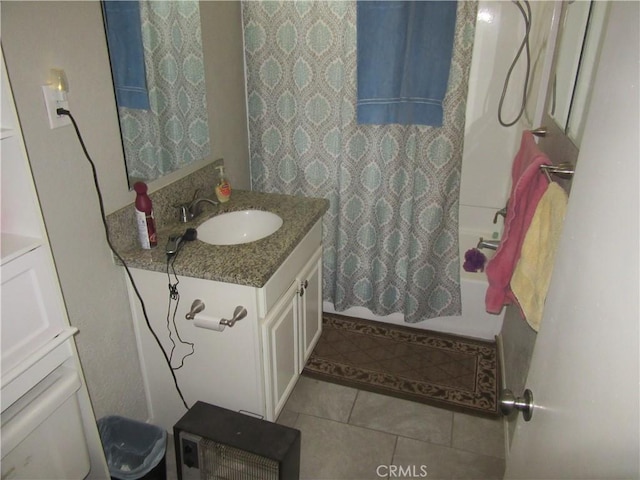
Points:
[(531, 277)]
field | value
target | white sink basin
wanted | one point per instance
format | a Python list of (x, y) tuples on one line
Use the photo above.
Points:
[(234, 228)]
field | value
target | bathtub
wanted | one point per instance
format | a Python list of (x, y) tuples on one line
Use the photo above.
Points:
[(474, 322)]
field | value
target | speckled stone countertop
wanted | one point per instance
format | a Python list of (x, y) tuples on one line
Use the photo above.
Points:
[(250, 264)]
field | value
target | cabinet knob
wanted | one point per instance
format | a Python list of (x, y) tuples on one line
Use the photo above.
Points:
[(303, 287)]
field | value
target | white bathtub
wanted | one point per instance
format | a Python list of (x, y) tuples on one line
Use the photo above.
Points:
[(475, 321)]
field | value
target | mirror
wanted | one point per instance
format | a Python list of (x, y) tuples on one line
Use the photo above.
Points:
[(578, 50), (155, 51)]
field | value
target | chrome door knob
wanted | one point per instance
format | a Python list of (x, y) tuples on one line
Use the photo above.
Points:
[(509, 402)]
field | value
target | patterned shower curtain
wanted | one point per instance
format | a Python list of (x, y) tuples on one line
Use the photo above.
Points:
[(175, 131), (391, 233)]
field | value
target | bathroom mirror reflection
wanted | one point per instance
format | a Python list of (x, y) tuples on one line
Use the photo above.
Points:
[(578, 50), (157, 65)]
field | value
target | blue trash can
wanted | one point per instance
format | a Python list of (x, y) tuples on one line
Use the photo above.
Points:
[(134, 450)]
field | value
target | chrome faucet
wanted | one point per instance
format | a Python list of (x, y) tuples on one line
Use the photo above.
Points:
[(192, 210), (489, 244), (502, 212)]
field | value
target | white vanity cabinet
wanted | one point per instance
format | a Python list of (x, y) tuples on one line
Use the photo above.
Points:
[(250, 367), (289, 333), (310, 281)]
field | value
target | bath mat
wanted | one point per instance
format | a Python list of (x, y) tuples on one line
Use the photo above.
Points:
[(419, 365)]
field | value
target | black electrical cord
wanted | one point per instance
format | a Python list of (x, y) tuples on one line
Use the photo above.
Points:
[(62, 111), (174, 294)]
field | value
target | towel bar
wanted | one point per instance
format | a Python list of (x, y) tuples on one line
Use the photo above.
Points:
[(562, 170), (540, 132)]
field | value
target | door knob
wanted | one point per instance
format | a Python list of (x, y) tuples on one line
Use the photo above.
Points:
[(509, 402)]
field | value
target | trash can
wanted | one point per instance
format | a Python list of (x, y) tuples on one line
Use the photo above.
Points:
[(134, 450)]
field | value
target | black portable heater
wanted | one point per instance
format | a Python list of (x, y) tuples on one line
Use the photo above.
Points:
[(213, 443)]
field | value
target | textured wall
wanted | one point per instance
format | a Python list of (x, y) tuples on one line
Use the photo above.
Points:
[(37, 36), (224, 71)]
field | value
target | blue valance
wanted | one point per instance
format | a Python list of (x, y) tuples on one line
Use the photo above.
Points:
[(124, 36), (404, 57)]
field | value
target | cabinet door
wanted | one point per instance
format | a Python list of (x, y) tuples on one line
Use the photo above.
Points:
[(280, 341), (32, 312), (310, 280), (41, 417)]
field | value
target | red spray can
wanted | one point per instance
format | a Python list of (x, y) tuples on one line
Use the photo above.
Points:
[(144, 217)]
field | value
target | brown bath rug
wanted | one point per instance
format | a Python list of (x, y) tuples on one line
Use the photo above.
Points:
[(429, 367)]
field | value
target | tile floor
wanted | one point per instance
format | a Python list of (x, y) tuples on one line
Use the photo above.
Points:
[(350, 434)]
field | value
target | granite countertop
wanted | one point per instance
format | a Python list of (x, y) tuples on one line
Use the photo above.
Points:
[(250, 264)]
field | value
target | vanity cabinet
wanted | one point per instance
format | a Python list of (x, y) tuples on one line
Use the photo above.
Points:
[(250, 367), (281, 347), (290, 331), (310, 301)]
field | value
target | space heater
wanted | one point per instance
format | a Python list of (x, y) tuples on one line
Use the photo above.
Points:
[(213, 443)]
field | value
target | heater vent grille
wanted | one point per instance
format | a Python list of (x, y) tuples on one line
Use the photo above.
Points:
[(222, 462)]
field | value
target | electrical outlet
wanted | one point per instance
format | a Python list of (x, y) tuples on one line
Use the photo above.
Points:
[(53, 102)]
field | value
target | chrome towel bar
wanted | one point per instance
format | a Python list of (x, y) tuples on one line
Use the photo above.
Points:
[(562, 170)]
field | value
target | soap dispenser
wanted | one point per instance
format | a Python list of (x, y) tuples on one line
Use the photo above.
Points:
[(223, 188)]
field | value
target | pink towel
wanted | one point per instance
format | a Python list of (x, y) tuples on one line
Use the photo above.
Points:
[(528, 186)]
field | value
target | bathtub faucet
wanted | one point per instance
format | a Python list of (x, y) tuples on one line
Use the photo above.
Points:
[(502, 211), (490, 244)]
